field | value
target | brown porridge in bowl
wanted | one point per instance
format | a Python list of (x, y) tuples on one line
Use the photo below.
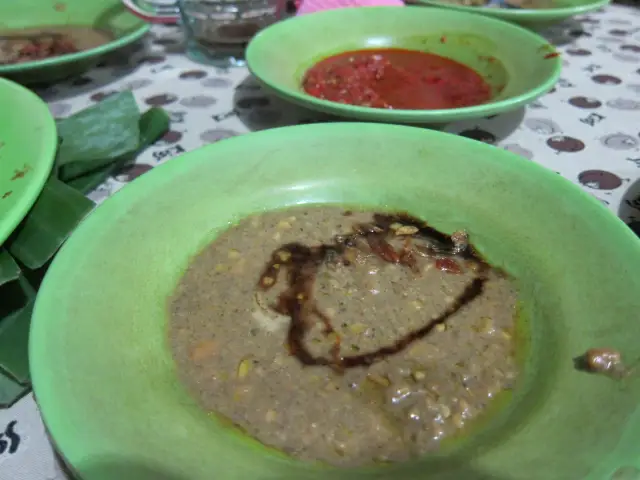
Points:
[(344, 337)]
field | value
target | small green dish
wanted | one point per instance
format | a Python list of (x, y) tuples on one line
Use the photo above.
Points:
[(108, 15), (528, 17), (104, 376), (28, 143), (519, 65)]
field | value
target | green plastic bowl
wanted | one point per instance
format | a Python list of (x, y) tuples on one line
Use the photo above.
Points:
[(106, 383), (28, 144), (510, 58), (529, 17), (108, 15)]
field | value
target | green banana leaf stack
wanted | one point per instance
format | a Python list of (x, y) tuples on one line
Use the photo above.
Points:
[(93, 144)]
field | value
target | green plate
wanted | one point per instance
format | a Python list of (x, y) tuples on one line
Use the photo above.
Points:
[(514, 61), (529, 17), (28, 144), (107, 15), (104, 376)]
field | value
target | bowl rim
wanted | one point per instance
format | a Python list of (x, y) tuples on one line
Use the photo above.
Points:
[(115, 44), (436, 115), (523, 14)]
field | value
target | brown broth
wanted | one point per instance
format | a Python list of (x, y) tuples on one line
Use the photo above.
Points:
[(232, 338)]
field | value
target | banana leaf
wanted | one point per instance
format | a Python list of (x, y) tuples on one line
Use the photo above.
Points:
[(58, 210), (98, 136), (9, 269), (153, 124), (15, 311), (14, 329), (10, 391), (93, 145), (14, 341)]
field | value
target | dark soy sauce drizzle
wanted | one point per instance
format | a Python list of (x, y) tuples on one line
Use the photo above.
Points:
[(302, 264)]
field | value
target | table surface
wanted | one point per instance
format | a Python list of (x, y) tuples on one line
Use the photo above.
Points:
[(587, 130)]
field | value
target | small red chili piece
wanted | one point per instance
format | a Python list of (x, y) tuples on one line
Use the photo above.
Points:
[(448, 265), (383, 249)]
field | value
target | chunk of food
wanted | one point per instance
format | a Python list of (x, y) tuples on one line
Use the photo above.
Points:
[(604, 361)]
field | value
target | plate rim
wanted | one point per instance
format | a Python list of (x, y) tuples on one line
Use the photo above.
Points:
[(523, 15), (49, 134)]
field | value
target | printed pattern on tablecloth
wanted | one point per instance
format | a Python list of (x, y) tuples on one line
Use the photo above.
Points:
[(25, 452)]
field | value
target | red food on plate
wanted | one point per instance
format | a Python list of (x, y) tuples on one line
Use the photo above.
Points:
[(396, 79)]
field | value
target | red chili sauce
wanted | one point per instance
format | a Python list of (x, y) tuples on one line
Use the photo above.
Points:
[(397, 79)]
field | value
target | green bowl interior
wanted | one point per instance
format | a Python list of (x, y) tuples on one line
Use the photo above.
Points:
[(104, 376), (28, 144), (510, 58), (530, 17), (107, 15)]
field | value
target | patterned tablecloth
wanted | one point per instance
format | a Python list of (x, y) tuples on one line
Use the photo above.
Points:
[(586, 129)]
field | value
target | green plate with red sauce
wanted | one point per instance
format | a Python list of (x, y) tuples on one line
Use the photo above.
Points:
[(518, 65)]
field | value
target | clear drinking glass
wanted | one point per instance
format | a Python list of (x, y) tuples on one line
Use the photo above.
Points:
[(216, 31)]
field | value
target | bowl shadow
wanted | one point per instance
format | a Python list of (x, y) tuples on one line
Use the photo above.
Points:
[(118, 469), (170, 38), (564, 33), (629, 209), (111, 68), (121, 469), (258, 109), (125, 469)]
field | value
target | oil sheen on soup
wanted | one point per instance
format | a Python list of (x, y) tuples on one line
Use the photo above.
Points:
[(346, 337)]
